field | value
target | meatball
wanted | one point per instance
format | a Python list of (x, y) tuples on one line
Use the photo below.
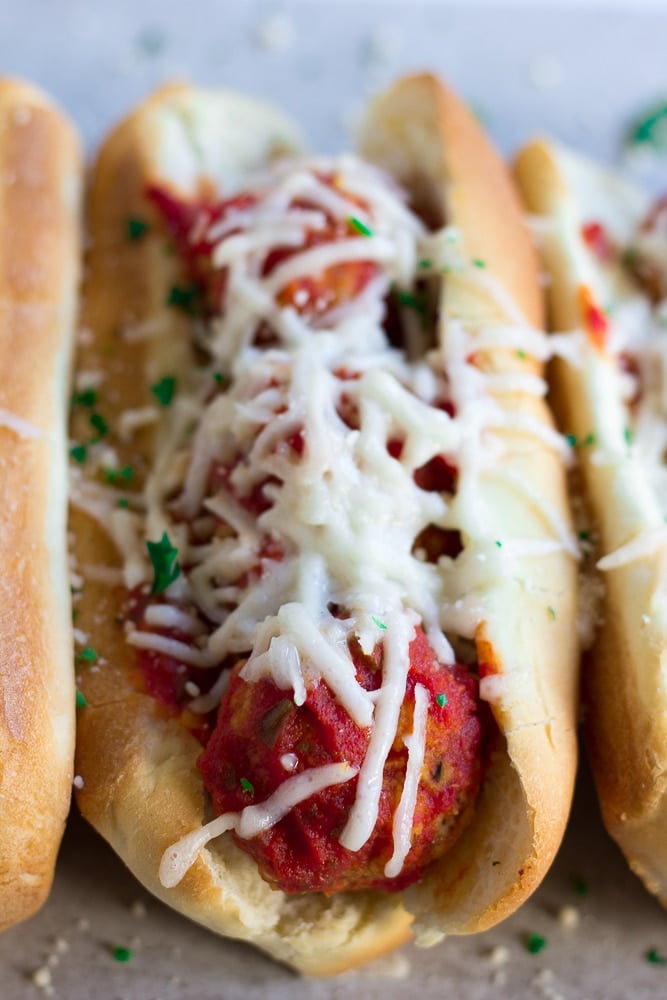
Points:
[(262, 738)]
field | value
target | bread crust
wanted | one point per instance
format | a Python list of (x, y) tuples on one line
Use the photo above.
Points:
[(625, 716), (142, 790), (40, 167)]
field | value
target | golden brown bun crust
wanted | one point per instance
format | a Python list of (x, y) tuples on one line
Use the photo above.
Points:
[(625, 703), (141, 787), (39, 248), (530, 639)]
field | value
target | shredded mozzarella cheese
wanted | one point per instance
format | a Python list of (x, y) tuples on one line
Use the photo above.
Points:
[(302, 477)]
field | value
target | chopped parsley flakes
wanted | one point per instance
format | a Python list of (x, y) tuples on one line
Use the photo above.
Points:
[(247, 786), (136, 228), (163, 557), (535, 943), (79, 453), (121, 954), (380, 624), (80, 700), (123, 475), (164, 390), (87, 398), (185, 297), (99, 425), (655, 957), (360, 226), (86, 655), (441, 699), (580, 885), (651, 129)]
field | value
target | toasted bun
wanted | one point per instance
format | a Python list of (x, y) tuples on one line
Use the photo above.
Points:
[(626, 706), (40, 174), (142, 790)]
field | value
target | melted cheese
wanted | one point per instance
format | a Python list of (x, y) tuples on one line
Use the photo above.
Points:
[(635, 436), (252, 820), (311, 424), (403, 817)]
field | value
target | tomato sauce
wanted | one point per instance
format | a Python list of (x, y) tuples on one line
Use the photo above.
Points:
[(259, 728)]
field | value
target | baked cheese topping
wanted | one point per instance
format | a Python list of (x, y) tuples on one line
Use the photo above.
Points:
[(633, 278), (291, 474)]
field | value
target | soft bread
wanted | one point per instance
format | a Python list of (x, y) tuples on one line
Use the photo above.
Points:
[(625, 713), (40, 175), (141, 787)]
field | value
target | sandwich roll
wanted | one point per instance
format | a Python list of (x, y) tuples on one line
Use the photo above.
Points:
[(40, 188), (319, 510)]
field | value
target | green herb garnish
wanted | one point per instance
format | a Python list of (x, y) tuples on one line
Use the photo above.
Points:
[(247, 786), (80, 700), (571, 440), (122, 954), (221, 380), (521, 354), (478, 262), (412, 301), (380, 624), (87, 398), (655, 957), (86, 655), (164, 390), (123, 475), (584, 536), (99, 425), (535, 943), (136, 228), (499, 545), (79, 453), (650, 129), (425, 264), (580, 885), (629, 435), (360, 226), (551, 611), (441, 699), (166, 569), (184, 297), (123, 502)]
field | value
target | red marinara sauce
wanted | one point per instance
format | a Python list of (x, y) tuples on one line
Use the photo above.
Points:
[(312, 296), (259, 724)]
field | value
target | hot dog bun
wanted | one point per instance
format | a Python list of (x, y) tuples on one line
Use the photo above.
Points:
[(40, 173), (625, 716), (142, 790)]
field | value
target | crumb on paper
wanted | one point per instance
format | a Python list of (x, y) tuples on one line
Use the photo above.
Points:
[(498, 955), (138, 909), (546, 72), (78, 782), (545, 983), (83, 924), (41, 978), (569, 917), (275, 33)]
